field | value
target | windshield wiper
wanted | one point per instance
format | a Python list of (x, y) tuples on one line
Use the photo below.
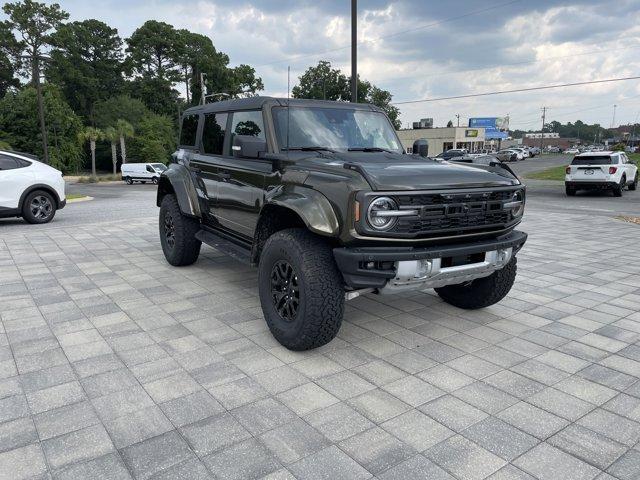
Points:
[(368, 149), (310, 149)]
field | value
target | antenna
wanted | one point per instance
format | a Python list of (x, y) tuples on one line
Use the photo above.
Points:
[(288, 109)]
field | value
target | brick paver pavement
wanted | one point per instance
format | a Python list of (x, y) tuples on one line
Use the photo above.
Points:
[(115, 365)]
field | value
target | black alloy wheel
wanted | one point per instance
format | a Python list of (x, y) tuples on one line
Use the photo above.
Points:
[(41, 207), (169, 230), (285, 290)]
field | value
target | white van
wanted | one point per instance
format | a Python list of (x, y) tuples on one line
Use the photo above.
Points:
[(142, 172)]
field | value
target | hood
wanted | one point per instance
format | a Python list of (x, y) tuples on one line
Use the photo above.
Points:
[(392, 171)]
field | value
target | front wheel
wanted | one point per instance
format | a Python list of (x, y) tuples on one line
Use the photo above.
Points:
[(178, 234), (481, 292), (154, 180), (301, 289), (39, 207)]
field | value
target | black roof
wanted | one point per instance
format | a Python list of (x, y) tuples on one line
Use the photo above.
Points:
[(256, 103)]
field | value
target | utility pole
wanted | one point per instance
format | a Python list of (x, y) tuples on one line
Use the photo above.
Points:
[(458, 117), (544, 115), (613, 120), (354, 51)]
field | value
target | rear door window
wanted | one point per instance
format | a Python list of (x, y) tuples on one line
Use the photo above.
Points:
[(246, 123), (8, 163), (189, 130), (215, 126)]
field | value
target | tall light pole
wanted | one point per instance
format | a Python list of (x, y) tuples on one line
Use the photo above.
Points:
[(458, 117), (354, 50), (613, 120)]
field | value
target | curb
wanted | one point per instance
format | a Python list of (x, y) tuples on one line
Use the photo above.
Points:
[(80, 200)]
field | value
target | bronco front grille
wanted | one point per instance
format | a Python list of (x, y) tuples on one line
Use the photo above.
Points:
[(453, 213)]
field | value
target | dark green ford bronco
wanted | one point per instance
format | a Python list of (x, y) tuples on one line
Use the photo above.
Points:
[(329, 206)]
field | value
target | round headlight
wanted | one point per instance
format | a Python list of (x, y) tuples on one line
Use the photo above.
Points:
[(376, 213), (518, 204)]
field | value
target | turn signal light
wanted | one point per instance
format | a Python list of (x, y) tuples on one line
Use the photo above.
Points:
[(356, 211), (612, 170), (567, 170)]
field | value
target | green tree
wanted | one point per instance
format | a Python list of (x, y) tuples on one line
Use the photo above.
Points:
[(108, 112), (197, 55), (9, 58), (86, 62), (450, 124), (155, 139), (323, 82), (34, 22), (91, 135), (152, 50), (125, 130), (111, 135), (20, 126)]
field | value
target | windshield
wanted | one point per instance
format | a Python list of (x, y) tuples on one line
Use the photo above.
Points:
[(160, 167), (334, 129)]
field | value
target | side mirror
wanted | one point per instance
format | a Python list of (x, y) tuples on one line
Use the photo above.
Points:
[(421, 147), (247, 146)]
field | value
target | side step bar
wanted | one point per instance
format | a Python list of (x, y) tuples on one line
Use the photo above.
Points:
[(225, 246)]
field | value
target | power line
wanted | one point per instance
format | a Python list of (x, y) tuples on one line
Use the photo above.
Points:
[(517, 90), (395, 34)]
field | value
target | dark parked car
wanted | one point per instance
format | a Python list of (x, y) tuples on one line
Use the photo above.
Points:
[(452, 153), (328, 205)]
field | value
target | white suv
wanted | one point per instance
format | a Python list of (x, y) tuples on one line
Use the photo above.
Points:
[(601, 170), (29, 188)]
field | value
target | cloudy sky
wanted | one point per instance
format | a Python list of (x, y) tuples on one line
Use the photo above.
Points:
[(421, 49)]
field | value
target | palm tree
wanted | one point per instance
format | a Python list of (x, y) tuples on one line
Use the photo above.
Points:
[(124, 130), (91, 135), (111, 135)]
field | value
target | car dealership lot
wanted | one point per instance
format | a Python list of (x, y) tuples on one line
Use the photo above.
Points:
[(113, 363)]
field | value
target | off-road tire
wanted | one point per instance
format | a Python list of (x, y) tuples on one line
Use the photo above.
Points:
[(321, 291), (571, 191), (185, 248), (27, 212), (618, 189), (634, 185), (481, 292)]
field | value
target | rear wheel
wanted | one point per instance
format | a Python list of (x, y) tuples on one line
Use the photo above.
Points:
[(634, 185), (617, 190), (481, 292), (128, 180), (39, 207), (301, 289), (571, 191), (178, 234)]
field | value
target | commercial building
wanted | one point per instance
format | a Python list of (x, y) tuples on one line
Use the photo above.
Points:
[(443, 139)]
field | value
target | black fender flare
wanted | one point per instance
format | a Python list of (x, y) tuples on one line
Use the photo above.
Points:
[(177, 180), (311, 206)]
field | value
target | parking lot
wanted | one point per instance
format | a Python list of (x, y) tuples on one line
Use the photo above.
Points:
[(114, 365)]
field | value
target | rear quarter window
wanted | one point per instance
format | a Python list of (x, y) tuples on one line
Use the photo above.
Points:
[(189, 130), (593, 160)]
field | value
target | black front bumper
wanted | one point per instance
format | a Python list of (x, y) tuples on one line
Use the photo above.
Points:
[(351, 261)]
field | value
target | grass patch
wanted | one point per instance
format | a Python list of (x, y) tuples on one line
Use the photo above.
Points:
[(635, 157), (553, 173), (74, 196), (100, 178)]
